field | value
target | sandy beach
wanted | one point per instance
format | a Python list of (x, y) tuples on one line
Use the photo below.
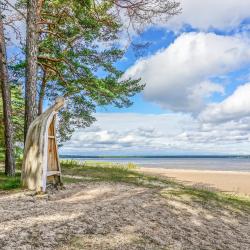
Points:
[(116, 208), (228, 181), (99, 215)]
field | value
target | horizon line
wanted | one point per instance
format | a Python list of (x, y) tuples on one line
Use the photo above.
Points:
[(155, 156)]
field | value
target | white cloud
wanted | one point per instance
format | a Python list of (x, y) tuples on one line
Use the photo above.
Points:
[(128, 132), (131, 134), (218, 14), (179, 77), (233, 107), (204, 15)]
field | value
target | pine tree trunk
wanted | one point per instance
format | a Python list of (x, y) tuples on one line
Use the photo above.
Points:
[(31, 68), (5, 88), (42, 93)]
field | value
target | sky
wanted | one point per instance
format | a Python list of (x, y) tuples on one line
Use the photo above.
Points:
[(197, 95)]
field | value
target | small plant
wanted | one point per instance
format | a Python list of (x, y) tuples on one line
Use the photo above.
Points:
[(131, 165), (71, 163)]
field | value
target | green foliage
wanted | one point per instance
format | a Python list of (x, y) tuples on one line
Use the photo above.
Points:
[(74, 163), (79, 62), (77, 59), (17, 102), (101, 171), (8, 183), (78, 52)]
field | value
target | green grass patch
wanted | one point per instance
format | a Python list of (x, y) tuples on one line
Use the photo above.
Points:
[(113, 172), (9, 183), (205, 197), (74, 163), (102, 171)]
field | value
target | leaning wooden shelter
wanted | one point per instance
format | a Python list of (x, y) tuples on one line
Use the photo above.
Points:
[(41, 160)]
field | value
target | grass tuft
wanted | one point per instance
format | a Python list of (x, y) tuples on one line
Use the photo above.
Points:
[(8, 183)]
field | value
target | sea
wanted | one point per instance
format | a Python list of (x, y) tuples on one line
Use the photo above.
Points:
[(215, 163)]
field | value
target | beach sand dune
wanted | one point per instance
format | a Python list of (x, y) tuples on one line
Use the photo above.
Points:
[(228, 181)]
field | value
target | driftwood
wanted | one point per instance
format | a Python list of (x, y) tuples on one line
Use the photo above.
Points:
[(41, 161)]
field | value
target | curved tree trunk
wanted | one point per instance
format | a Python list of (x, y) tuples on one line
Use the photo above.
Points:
[(5, 88)]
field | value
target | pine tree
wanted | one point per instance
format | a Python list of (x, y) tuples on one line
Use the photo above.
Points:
[(64, 56), (6, 101)]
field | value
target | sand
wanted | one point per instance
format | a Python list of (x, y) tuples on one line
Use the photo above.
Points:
[(117, 216), (228, 181)]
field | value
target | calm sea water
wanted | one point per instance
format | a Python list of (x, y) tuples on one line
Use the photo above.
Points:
[(220, 164)]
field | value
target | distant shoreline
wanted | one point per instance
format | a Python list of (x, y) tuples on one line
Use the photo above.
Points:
[(155, 156), (214, 163)]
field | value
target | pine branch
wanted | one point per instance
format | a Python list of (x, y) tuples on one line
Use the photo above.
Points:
[(14, 7)]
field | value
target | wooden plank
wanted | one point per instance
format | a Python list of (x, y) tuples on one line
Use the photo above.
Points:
[(56, 161), (53, 167), (52, 149), (50, 173), (51, 128)]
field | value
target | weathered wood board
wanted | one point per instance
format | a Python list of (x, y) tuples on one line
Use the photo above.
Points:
[(41, 160)]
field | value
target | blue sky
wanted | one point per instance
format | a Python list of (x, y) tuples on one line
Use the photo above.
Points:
[(197, 94)]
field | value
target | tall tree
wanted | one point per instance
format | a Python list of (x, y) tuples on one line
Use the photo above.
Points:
[(6, 98), (63, 38), (70, 58), (31, 64)]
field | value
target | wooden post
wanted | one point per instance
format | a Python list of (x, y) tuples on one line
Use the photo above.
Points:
[(41, 160)]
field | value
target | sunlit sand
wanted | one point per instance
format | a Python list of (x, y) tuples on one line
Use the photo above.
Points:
[(229, 181)]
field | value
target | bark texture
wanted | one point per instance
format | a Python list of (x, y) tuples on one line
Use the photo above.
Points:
[(6, 97), (31, 68), (42, 93)]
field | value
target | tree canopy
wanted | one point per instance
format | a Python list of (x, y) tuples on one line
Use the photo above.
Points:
[(72, 49)]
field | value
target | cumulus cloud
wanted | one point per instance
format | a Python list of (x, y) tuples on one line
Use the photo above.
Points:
[(128, 132), (131, 134), (204, 15), (233, 107), (179, 77), (223, 15)]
